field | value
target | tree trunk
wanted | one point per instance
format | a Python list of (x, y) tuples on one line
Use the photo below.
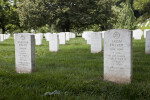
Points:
[(102, 27), (67, 29), (3, 30), (21, 30), (63, 28), (67, 26)]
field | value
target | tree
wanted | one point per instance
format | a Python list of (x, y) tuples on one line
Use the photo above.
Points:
[(142, 7), (125, 16), (5, 11), (9, 20), (64, 14), (32, 14)]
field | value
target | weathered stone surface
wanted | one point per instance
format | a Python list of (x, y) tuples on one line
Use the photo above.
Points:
[(67, 36), (118, 56), (62, 38), (85, 34), (147, 43), (1, 37), (4, 36), (96, 42), (72, 35), (7, 36), (25, 53), (89, 37), (54, 43), (145, 32), (103, 34), (38, 39), (137, 34), (41, 34), (47, 35)]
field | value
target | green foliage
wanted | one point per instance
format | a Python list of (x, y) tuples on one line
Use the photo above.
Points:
[(72, 15), (142, 6), (125, 16), (11, 28), (94, 28), (5, 13), (9, 20), (32, 14), (65, 15), (44, 29)]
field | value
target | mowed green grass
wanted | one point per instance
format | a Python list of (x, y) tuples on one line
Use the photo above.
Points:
[(74, 72)]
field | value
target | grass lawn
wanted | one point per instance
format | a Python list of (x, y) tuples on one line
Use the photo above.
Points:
[(74, 72)]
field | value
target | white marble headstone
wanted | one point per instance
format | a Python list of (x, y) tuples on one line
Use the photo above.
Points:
[(38, 39), (89, 37), (118, 56), (25, 53), (62, 38), (73, 35), (1, 37), (85, 34), (147, 43), (145, 32), (137, 34), (103, 34), (67, 36), (54, 42), (96, 42), (4, 36), (47, 35)]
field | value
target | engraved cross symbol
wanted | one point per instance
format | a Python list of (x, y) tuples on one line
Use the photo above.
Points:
[(116, 35)]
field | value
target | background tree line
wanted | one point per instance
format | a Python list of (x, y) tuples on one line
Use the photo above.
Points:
[(71, 15)]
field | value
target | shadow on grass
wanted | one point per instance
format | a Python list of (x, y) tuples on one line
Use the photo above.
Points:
[(6, 44)]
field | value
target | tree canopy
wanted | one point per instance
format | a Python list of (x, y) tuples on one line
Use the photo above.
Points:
[(65, 14), (143, 9), (72, 15)]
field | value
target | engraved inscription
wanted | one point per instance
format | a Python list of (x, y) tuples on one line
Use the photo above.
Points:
[(116, 56), (22, 54)]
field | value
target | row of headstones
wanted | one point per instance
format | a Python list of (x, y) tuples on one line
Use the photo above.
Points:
[(95, 38), (63, 37), (56, 39), (25, 48), (137, 34), (117, 54), (4, 37)]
